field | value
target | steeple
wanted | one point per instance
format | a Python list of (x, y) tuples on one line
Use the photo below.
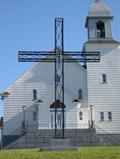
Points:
[(98, 21)]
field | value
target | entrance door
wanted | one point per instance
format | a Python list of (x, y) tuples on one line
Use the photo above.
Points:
[(58, 119)]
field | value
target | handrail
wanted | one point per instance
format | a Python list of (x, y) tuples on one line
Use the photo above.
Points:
[(108, 135), (11, 137), (104, 140)]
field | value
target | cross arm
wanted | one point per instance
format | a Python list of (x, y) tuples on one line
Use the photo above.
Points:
[(36, 56), (68, 56), (71, 56)]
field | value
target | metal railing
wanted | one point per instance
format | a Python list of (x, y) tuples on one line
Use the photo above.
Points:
[(105, 137), (13, 136), (32, 135)]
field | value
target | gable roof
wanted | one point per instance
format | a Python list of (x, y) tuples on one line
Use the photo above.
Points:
[(28, 73)]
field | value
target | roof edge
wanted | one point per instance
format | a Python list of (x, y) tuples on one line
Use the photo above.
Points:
[(88, 17), (105, 41)]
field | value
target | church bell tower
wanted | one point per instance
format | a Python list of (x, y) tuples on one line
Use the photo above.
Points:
[(102, 77), (98, 22)]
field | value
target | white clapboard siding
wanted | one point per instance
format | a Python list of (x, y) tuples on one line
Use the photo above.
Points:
[(41, 78), (84, 123), (71, 118), (105, 97)]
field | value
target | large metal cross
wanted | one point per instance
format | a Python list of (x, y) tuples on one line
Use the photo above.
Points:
[(59, 57)]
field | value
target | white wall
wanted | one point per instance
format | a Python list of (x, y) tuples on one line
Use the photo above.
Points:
[(41, 78), (105, 97), (72, 120)]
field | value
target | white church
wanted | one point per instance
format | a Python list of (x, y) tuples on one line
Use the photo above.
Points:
[(96, 87)]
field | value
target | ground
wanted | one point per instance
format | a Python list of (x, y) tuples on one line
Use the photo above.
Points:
[(108, 152)]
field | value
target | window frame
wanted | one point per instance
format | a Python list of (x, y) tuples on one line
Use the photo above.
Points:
[(80, 94), (104, 78), (110, 116), (34, 94), (102, 116), (80, 115)]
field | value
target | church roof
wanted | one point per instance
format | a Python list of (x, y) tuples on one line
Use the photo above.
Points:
[(99, 9), (111, 41)]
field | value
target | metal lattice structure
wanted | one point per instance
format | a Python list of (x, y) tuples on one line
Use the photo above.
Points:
[(59, 57)]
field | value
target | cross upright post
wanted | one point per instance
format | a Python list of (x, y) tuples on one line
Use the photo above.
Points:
[(59, 72), (59, 57)]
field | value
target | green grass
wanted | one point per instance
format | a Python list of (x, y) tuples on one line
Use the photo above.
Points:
[(83, 153)]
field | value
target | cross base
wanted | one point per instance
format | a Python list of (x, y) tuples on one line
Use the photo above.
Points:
[(60, 145)]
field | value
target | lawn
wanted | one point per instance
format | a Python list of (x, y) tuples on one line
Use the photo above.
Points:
[(83, 153)]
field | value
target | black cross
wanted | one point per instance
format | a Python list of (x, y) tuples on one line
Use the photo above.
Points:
[(59, 57)]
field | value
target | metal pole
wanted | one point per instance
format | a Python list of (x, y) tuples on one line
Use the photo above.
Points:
[(59, 76), (55, 80), (1, 145), (24, 123), (63, 115), (91, 111)]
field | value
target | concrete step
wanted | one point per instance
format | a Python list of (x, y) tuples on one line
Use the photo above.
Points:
[(77, 138)]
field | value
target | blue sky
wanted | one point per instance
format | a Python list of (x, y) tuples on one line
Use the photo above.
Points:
[(29, 25)]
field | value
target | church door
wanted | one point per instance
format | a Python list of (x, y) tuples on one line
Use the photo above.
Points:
[(58, 119)]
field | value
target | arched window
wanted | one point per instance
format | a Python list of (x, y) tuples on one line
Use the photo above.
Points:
[(100, 29), (80, 94), (102, 116), (81, 115), (104, 78), (34, 94)]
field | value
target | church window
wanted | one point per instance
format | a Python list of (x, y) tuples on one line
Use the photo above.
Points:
[(81, 115), (80, 94), (104, 79), (109, 115), (102, 116), (52, 121), (34, 115), (34, 94), (100, 29)]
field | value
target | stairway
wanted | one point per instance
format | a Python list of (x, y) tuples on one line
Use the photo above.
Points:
[(43, 138), (35, 138), (106, 138)]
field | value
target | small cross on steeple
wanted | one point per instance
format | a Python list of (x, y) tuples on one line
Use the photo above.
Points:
[(97, 1)]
